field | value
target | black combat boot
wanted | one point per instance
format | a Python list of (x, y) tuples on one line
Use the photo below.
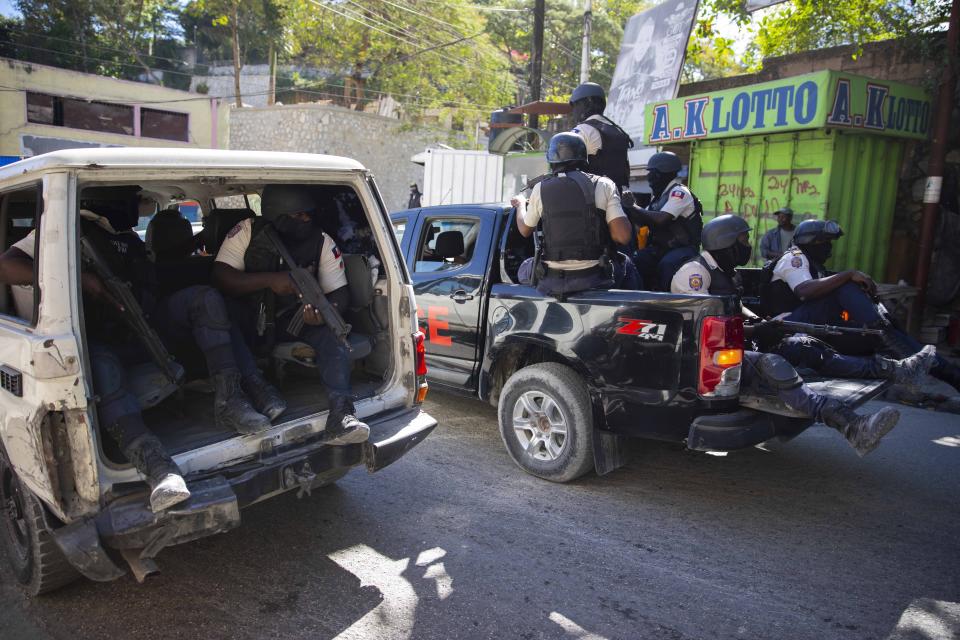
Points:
[(231, 408), (264, 396), (167, 487), (343, 427), (862, 432), (910, 370)]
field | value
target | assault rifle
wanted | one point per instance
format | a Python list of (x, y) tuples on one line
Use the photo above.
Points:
[(131, 311), (310, 293), (773, 330)]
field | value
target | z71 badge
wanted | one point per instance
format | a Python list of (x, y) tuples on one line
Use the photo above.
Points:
[(643, 329)]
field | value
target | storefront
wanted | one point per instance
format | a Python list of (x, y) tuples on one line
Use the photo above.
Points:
[(826, 144)]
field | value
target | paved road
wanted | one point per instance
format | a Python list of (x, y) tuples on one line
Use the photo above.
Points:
[(802, 540)]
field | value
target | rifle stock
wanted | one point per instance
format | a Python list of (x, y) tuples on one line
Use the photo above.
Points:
[(788, 327), (310, 293), (132, 313)]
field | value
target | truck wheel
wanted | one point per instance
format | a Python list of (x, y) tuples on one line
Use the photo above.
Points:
[(36, 559), (546, 422)]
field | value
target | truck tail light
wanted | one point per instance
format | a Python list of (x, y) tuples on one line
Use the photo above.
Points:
[(721, 354), (420, 354)]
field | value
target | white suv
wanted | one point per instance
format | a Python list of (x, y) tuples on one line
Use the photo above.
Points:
[(66, 494)]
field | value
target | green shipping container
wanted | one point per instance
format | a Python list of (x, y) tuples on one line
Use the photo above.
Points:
[(826, 144), (825, 174)]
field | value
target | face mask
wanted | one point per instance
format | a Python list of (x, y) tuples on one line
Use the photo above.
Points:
[(741, 254), (658, 181), (292, 227), (818, 253)]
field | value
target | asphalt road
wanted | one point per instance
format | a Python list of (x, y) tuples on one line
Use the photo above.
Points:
[(801, 540)]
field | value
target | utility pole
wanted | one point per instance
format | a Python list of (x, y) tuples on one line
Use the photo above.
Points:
[(585, 55), (536, 65), (938, 152)]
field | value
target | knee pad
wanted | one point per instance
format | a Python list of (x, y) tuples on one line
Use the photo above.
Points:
[(777, 372), (207, 309)]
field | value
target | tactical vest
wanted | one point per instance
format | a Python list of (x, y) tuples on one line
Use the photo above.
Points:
[(261, 256), (777, 297), (681, 232), (611, 159), (573, 227), (721, 284)]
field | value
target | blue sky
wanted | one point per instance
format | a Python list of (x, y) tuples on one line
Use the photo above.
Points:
[(7, 8)]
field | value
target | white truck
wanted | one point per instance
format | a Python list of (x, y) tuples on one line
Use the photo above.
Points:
[(66, 495)]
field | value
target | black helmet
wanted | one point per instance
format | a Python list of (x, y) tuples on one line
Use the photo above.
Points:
[(283, 199), (587, 90), (566, 148), (665, 162), (787, 211), (810, 231), (722, 232)]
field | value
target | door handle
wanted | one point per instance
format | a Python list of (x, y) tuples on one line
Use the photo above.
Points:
[(461, 296)]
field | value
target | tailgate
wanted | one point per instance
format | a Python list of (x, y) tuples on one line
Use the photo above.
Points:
[(853, 392)]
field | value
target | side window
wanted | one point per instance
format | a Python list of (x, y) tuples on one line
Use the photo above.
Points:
[(446, 244), (19, 216), (399, 226)]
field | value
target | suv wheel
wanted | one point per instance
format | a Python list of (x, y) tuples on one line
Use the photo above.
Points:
[(36, 559), (546, 422)]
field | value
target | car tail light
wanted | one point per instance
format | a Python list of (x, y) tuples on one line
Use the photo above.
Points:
[(721, 355), (420, 351)]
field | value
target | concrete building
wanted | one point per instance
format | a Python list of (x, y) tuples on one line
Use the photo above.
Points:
[(45, 108)]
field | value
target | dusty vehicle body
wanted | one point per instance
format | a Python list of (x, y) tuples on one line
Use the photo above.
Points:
[(70, 505)]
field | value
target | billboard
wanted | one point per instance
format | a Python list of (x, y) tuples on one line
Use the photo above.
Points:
[(648, 67), (816, 100)]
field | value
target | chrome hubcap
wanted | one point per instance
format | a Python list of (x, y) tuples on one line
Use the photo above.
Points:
[(540, 426)]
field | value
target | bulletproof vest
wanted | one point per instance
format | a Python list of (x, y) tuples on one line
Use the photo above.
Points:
[(125, 255), (777, 297), (611, 159), (261, 256), (682, 232), (573, 227), (721, 284)]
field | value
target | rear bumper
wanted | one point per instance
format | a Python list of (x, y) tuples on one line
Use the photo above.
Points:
[(741, 429), (216, 500)]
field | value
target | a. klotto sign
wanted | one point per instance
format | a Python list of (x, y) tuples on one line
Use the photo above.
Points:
[(811, 101)]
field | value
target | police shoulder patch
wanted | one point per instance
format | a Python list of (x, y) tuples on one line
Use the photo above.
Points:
[(796, 262), (695, 281), (235, 230), (678, 194)]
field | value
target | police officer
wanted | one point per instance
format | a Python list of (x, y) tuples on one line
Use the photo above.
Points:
[(248, 269), (726, 245), (606, 142), (675, 219), (195, 312), (581, 218), (801, 289)]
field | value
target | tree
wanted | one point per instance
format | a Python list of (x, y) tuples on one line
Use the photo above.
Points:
[(804, 25), (429, 53)]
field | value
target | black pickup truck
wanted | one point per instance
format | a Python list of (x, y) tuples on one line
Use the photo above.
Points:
[(572, 378)]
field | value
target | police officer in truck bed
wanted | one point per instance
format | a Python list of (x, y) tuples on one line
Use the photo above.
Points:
[(607, 144), (581, 218), (801, 289)]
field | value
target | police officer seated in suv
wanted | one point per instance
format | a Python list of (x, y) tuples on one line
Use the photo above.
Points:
[(196, 313), (581, 218), (801, 289), (249, 270), (606, 142), (726, 245), (675, 221)]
